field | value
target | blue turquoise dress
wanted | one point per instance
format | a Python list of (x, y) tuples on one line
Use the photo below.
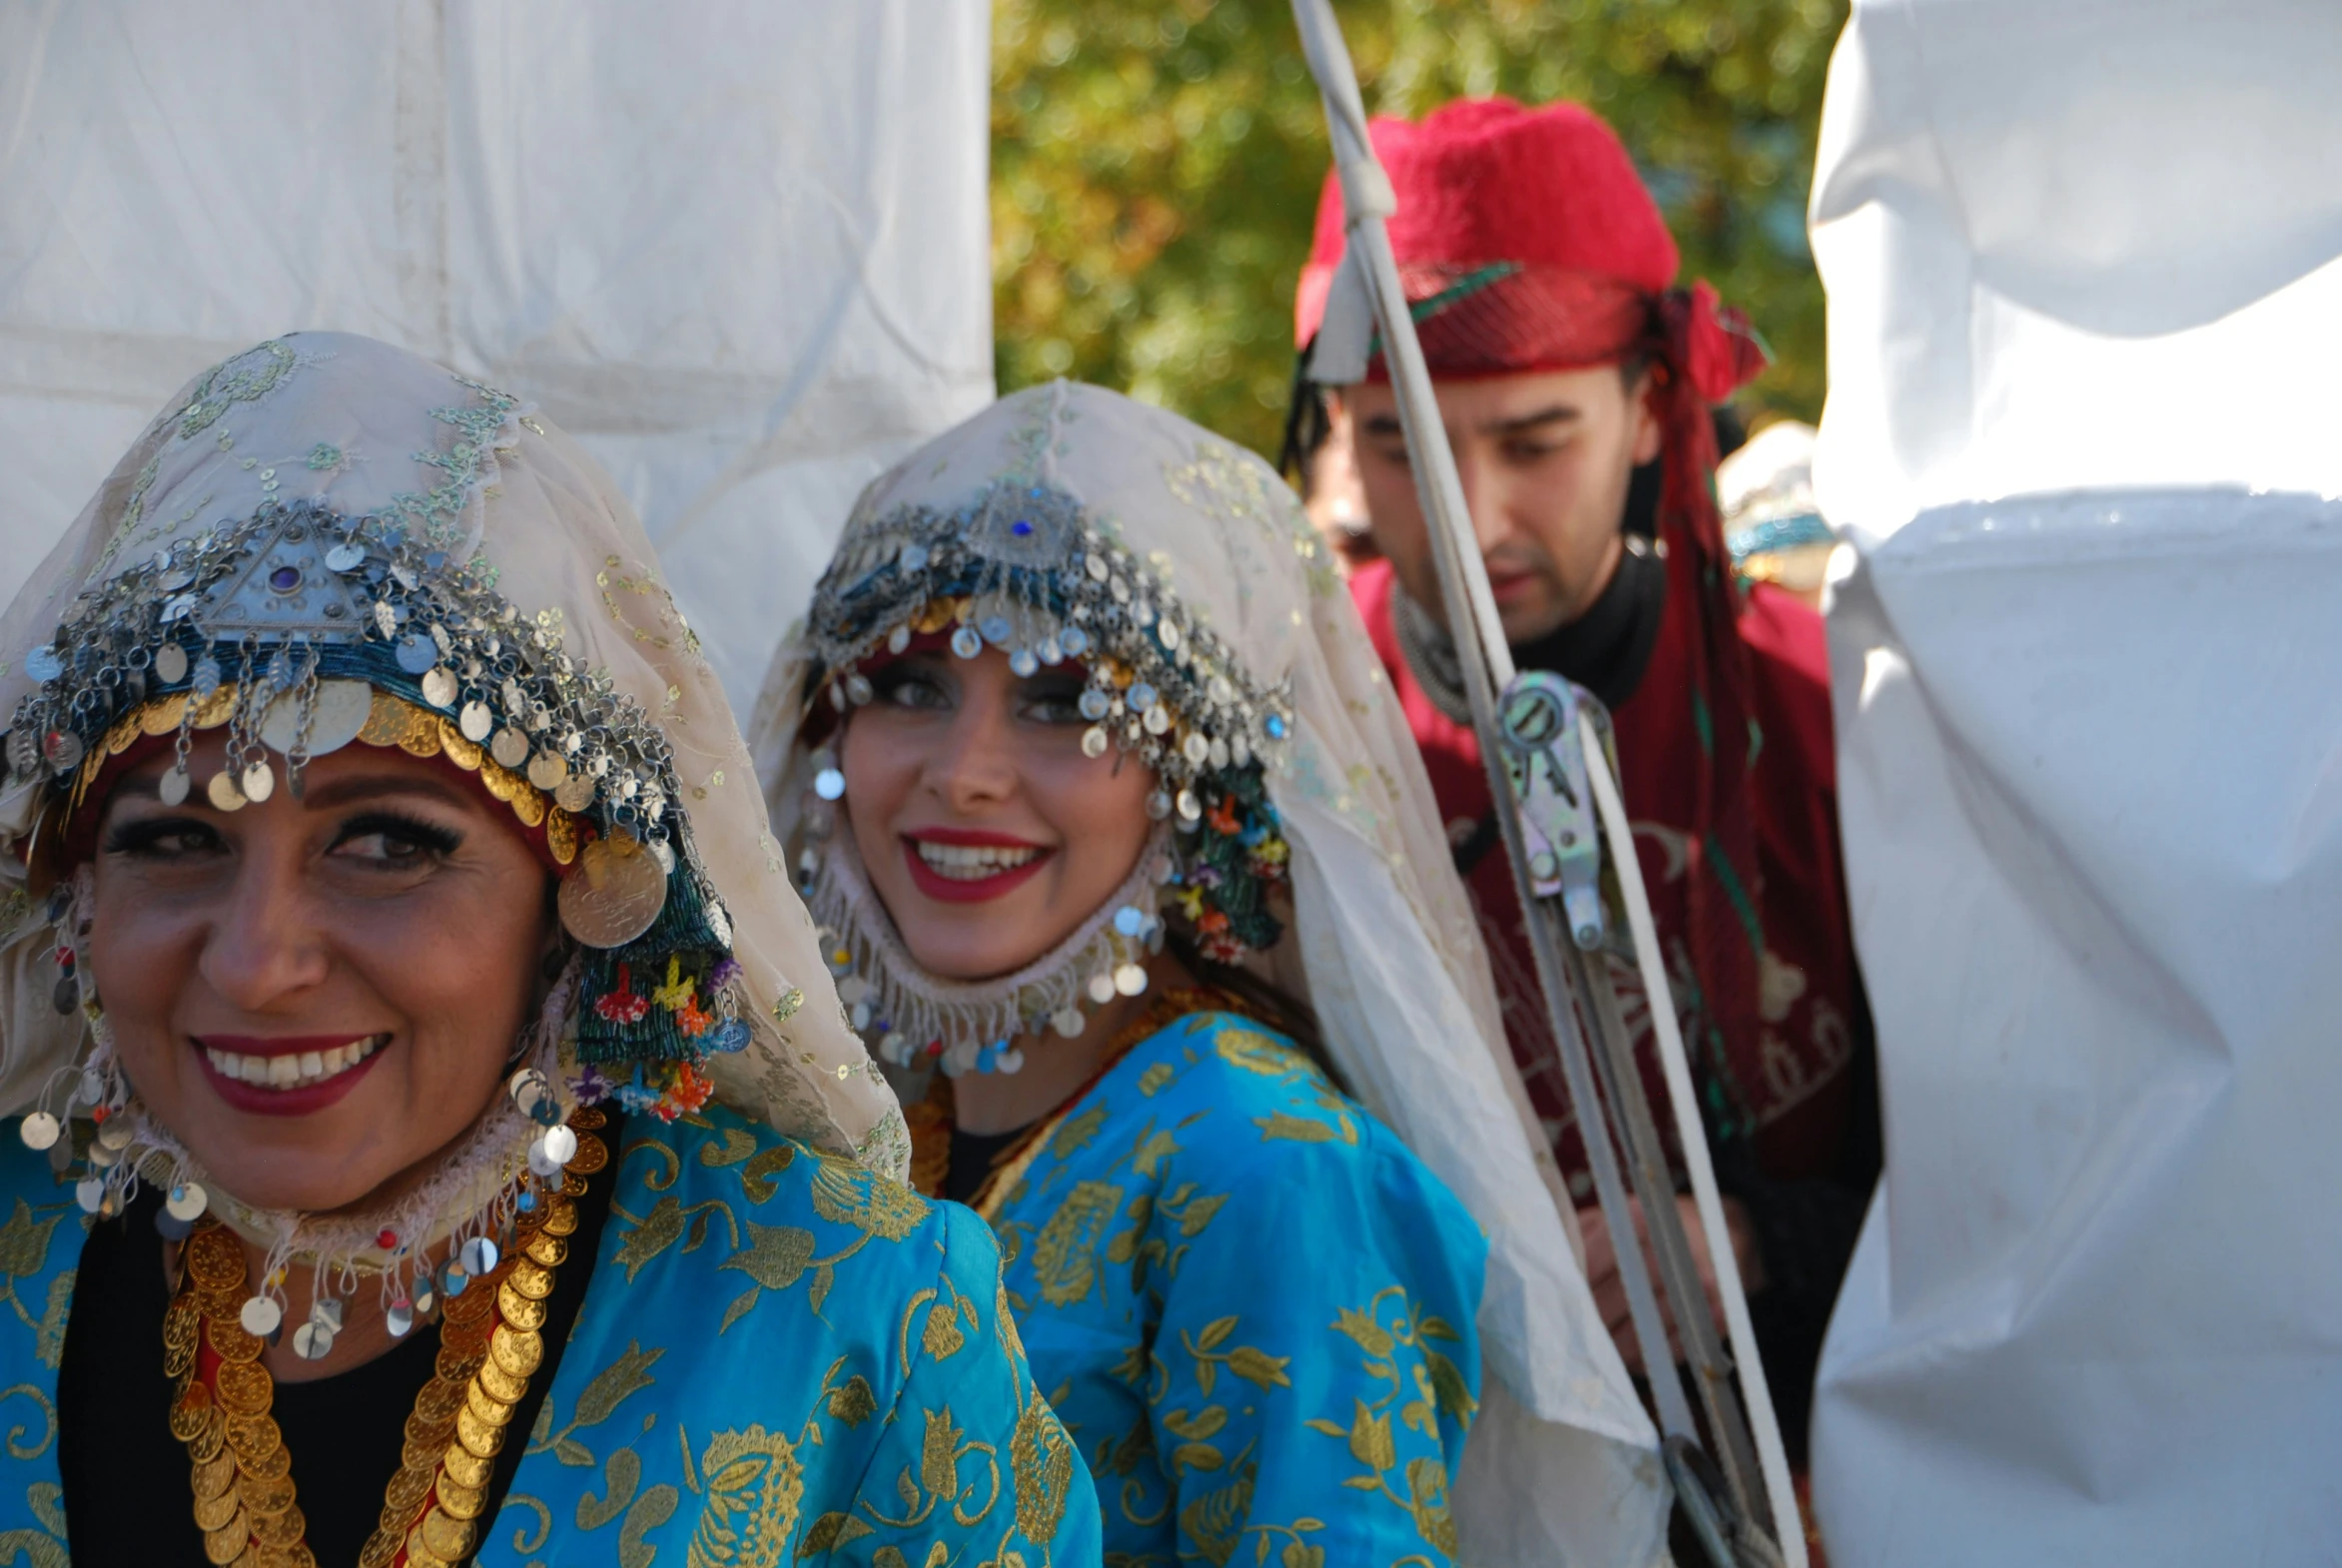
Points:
[(1250, 1305), (781, 1358)]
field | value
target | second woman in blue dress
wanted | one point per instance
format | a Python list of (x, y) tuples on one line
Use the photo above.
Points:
[(1093, 781)]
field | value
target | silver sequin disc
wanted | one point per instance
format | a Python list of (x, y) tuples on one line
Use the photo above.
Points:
[(174, 787), (345, 557), (560, 1145), (1094, 741), (187, 1200), (480, 1255), (509, 748), (260, 1317), (477, 721), (39, 1131), (439, 687), (1129, 980), (313, 1341), (1102, 987), (171, 663), (259, 782), (1068, 1021), (400, 1319), (222, 793)]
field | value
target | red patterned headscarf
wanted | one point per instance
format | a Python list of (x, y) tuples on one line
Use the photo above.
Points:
[(1527, 242)]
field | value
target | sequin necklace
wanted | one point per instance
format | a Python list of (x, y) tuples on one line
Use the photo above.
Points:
[(490, 1347)]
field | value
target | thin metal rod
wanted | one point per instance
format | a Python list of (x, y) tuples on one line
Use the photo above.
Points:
[(1710, 1369), (1674, 1066)]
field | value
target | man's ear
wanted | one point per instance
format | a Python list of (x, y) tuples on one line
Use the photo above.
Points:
[(1647, 431)]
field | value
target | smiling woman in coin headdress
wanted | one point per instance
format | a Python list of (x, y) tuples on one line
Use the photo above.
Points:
[(398, 935), (1118, 846)]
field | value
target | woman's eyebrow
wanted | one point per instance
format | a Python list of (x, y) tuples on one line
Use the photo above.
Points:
[(352, 788)]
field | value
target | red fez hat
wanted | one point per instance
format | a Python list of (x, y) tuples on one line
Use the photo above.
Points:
[(1527, 242)]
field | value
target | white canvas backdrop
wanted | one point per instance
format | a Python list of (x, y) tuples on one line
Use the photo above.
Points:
[(2084, 307), (739, 249)]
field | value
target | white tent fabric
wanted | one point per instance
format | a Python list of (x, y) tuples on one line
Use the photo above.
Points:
[(739, 250), (2085, 262)]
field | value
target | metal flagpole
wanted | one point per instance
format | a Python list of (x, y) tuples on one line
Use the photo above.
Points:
[(1546, 759)]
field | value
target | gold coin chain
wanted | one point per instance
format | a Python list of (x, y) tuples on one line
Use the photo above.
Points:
[(490, 1345)]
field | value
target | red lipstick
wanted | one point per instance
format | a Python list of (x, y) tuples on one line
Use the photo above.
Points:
[(976, 889), (291, 1099)]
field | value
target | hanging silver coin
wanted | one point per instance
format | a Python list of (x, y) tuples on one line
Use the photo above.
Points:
[(560, 1145), (614, 893), (400, 1319), (90, 1194), (1008, 1061), (259, 781), (509, 748), (63, 748), (337, 712), (171, 664), (174, 786), (1129, 980), (574, 793), (547, 770), (1068, 1021), (39, 1131), (313, 1341), (1094, 741), (438, 687), (43, 665), (479, 1255), (187, 1200), (345, 557), (223, 794), (477, 721), (114, 1133), (416, 653)]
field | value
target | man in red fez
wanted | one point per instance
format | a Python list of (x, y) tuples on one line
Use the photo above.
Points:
[(1577, 382)]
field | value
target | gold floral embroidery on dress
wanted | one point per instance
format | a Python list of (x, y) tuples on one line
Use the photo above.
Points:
[(752, 1482), (1398, 1340), (755, 1488)]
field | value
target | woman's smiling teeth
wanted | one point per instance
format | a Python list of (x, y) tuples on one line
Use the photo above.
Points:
[(972, 862), (294, 1069)]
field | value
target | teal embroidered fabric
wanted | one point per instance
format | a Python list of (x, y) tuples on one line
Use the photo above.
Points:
[(1252, 1305), (781, 1357)]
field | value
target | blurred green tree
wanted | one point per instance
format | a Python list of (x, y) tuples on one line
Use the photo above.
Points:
[(1156, 167)]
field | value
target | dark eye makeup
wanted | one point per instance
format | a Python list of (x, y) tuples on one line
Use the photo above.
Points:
[(398, 838)]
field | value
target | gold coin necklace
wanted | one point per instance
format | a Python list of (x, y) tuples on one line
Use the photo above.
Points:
[(490, 1347)]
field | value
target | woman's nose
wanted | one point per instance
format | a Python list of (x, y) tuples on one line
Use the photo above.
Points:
[(264, 941), (977, 765)]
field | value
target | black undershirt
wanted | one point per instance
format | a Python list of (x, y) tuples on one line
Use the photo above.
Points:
[(127, 1498), (973, 1154)]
